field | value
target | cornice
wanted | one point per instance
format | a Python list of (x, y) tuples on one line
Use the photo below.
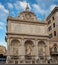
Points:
[(17, 19), (27, 35)]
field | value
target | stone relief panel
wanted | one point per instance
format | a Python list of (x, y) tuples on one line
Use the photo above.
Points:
[(28, 16), (28, 29)]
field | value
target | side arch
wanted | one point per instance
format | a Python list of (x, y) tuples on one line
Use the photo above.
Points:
[(14, 46), (41, 48)]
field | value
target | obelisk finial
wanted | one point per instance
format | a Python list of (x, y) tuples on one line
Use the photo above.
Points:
[(27, 8), (8, 12), (44, 17)]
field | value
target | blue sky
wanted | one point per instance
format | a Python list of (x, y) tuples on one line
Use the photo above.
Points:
[(39, 7)]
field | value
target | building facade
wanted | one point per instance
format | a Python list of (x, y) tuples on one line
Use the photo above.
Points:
[(52, 28), (27, 40)]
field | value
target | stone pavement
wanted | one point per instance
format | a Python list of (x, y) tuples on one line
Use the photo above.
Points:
[(4, 63)]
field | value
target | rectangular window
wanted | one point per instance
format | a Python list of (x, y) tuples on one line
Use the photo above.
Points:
[(54, 33), (49, 21), (50, 28), (50, 35), (53, 24), (53, 18)]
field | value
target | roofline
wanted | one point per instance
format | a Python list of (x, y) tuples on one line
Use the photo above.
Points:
[(28, 12), (53, 11), (16, 19)]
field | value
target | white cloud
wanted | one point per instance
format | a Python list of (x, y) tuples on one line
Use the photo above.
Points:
[(52, 7), (3, 16), (21, 5), (3, 12), (3, 8), (24, 4), (39, 19), (1, 28), (3, 43), (2, 25), (10, 5), (38, 9), (13, 13)]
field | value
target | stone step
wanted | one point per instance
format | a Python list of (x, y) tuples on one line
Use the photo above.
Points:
[(27, 64)]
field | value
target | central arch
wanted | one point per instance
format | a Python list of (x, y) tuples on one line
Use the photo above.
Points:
[(28, 49)]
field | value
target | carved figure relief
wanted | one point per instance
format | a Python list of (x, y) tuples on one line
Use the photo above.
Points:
[(28, 50)]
